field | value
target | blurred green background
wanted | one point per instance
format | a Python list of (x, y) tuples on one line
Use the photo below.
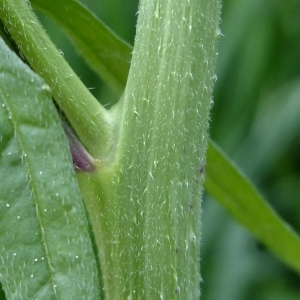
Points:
[(255, 119)]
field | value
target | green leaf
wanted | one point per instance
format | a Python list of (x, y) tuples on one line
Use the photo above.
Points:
[(229, 186), (105, 52), (45, 247)]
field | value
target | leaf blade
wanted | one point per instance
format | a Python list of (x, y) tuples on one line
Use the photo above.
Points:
[(238, 196), (45, 252)]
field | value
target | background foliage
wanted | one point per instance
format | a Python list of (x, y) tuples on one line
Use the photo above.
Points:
[(255, 119)]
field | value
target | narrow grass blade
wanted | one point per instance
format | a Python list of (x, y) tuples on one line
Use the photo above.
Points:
[(239, 197), (45, 247)]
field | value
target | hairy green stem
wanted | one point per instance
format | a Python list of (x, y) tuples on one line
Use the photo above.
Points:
[(109, 56), (92, 123), (146, 202)]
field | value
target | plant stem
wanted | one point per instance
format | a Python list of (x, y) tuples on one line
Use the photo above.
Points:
[(92, 123), (146, 203), (109, 56)]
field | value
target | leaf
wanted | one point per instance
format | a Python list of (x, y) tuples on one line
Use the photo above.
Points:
[(105, 52), (45, 247), (238, 196)]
